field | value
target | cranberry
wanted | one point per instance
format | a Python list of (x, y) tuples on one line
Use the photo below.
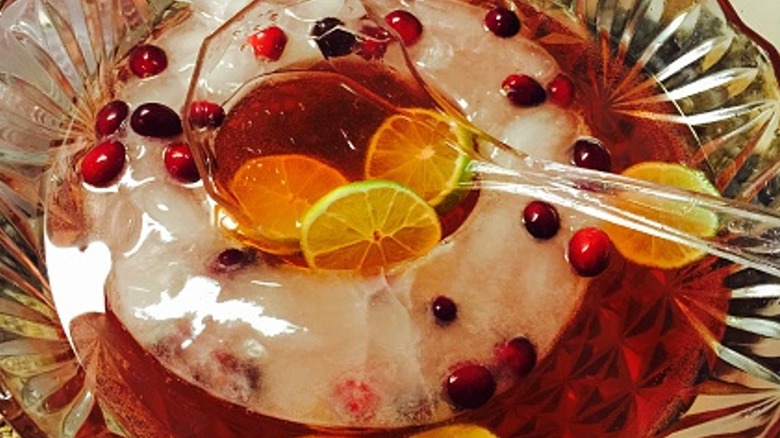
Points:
[(523, 90), (268, 43), (233, 259), (560, 91), (444, 309), (590, 153), (357, 399), (373, 42), (518, 354), (541, 220), (406, 24), (331, 39), (110, 117), (502, 22), (589, 251), (205, 114), (147, 60), (103, 163), (156, 120), (180, 163), (470, 386)]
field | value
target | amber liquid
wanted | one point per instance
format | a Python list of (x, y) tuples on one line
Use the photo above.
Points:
[(626, 366)]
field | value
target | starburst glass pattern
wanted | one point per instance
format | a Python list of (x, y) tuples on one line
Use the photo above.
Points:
[(58, 61)]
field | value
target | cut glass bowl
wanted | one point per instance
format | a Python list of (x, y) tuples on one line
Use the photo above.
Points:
[(687, 63)]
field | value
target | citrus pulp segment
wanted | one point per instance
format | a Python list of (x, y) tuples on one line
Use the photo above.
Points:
[(368, 225), (654, 251), (421, 149), (275, 191)]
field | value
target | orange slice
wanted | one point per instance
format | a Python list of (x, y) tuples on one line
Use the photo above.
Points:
[(367, 225), (654, 251), (275, 191), (420, 149)]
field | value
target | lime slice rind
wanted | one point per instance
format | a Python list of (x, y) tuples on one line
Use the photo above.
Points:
[(372, 216)]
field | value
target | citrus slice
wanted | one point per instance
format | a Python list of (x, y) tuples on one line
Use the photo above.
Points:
[(420, 149), (275, 191), (367, 225), (457, 431), (654, 251)]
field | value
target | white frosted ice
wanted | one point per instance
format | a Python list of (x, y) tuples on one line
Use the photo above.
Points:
[(306, 331)]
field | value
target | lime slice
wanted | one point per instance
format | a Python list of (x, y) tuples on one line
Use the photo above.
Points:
[(421, 149), (367, 225), (457, 431), (654, 251)]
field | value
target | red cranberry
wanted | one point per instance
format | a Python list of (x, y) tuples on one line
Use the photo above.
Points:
[(590, 153), (268, 43), (470, 386), (147, 60), (541, 220), (589, 251), (233, 259), (102, 164), (560, 91), (502, 22), (406, 24), (357, 399), (110, 117), (373, 43), (444, 309), (523, 90), (518, 354), (180, 163), (204, 114), (155, 120), (333, 41)]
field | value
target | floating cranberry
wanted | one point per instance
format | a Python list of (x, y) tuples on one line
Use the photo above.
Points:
[(502, 22), (444, 309), (110, 117), (518, 354), (103, 163), (204, 114), (470, 386), (357, 399), (155, 120), (590, 153), (147, 60), (541, 220), (268, 43), (523, 90), (589, 251), (180, 163), (331, 39), (406, 24), (560, 91)]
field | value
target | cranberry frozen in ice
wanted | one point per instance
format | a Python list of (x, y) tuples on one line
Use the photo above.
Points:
[(523, 90), (268, 43), (111, 117), (180, 163), (156, 120), (101, 166), (148, 60), (503, 22)]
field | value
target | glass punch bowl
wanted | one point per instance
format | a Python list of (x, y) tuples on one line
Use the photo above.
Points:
[(718, 79)]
